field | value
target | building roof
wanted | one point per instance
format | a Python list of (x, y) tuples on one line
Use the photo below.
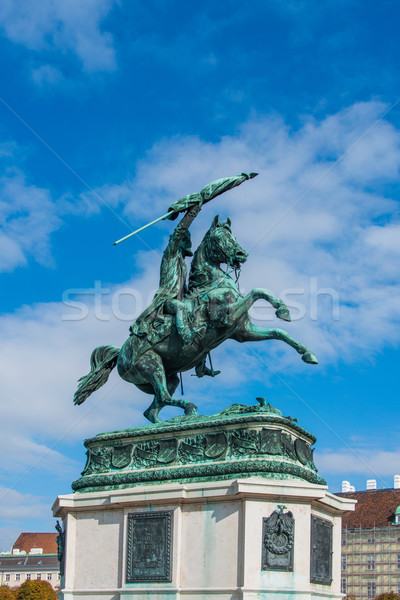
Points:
[(374, 508), (39, 562), (46, 541)]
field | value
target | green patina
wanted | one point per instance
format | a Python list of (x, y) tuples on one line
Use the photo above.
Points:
[(239, 412), (189, 316), (241, 441)]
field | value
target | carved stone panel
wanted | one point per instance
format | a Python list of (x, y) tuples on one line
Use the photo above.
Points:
[(243, 441), (303, 451), (278, 540), (149, 551), (271, 441), (321, 551), (288, 446), (121, 455)]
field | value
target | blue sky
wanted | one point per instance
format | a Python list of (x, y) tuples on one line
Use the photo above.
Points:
[(111, 110)]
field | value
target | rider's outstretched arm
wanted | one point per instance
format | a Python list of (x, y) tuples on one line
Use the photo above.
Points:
[(182, 227)]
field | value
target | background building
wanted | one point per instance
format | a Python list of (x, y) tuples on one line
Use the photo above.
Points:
[(371, 541), (32, 556)]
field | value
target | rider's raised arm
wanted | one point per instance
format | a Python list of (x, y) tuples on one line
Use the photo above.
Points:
[(182, 227)]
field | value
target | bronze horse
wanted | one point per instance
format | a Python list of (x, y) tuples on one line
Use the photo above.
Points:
[(217, 312)]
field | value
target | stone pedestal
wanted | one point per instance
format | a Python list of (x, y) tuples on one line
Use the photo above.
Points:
[(227, 507)]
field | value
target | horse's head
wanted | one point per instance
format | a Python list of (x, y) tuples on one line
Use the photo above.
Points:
[(222, 246)]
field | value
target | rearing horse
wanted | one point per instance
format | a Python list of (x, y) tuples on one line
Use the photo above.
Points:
[(217, 312)]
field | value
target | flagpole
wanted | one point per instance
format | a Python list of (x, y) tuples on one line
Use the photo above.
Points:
[(168, 214), (205, 195)]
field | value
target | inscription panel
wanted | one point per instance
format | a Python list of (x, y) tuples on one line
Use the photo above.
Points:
[(321, 551), (149, 551)]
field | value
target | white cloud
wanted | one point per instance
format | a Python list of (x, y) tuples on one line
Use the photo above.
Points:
[(46, 74), (14, 505), (73, 27), (28, 454), (18, 510), (44, 353), (28, 216), (306, 218), (328, 243), (385, 239), (8, 535), (373, 463)]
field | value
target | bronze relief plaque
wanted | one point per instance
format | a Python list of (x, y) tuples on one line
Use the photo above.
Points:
[(321, 551), (149, 547), (278, 541)]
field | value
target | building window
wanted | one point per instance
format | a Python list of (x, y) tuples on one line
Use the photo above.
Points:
[(344, 563), (39, 576), (17, 577), (343, 586), (28, 576), (371, 540), (370, 562), (398, 561), (398, 587), (8, 576), (48, 576), (371, 589)]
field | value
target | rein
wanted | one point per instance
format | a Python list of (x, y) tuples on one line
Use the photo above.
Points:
[(211, 284)]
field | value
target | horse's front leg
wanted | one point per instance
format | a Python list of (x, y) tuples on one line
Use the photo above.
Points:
[(252, 333), (282, 311), (235, 311)]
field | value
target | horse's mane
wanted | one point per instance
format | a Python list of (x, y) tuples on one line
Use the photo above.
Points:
[(203, 255)]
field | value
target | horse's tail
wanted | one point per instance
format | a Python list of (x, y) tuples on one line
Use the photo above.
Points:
[(102, 362)]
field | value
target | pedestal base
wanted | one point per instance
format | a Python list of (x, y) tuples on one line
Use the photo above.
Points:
[(206, 541), (240, 441)]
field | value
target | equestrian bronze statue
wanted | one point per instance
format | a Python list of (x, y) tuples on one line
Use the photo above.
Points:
[(188, 319)]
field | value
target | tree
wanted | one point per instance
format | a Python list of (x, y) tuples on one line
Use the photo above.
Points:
[(388, 596), (6, 593), (36, 589)]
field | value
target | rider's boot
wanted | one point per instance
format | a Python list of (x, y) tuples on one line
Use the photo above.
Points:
[(202, 370)]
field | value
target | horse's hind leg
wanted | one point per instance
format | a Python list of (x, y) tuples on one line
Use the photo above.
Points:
[(188, 407), (150, 369), (172, 384), (252, 333)]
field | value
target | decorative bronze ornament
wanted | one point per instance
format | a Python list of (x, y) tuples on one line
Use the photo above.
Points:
[(278, 540)]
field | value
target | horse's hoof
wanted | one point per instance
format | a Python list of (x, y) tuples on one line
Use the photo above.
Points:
[(191, 409), (151, 415), (309, 358), (283, 313)]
